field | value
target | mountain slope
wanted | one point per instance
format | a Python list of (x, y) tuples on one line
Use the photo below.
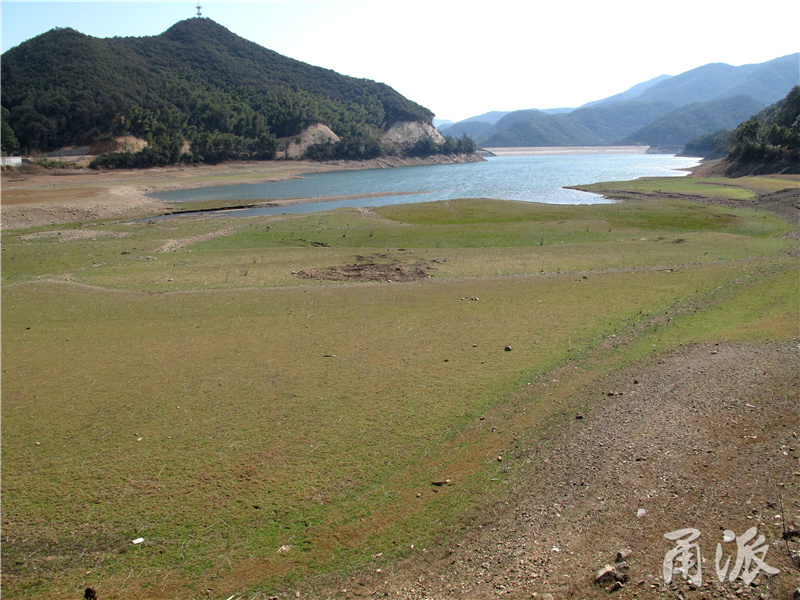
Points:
[(664, 111), (491, 117), (594, 126), (630, 93), (677, 128), (768, 142), (474, 129), (197, 82), (766, 82), (540, 129)]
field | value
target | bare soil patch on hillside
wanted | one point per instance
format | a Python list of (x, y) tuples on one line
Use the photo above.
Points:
[(706, 437)]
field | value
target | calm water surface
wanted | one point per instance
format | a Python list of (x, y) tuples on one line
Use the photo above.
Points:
[(526, 178)]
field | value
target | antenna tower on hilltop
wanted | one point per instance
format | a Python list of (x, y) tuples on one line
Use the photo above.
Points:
[(199, 14)]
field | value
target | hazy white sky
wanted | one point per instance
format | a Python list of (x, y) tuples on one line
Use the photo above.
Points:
[(463, 58)]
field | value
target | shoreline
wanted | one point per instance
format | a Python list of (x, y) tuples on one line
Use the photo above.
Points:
[(565, 150), (40, 198), (287, 202)]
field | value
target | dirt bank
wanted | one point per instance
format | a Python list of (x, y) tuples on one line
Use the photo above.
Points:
[(34, 197)]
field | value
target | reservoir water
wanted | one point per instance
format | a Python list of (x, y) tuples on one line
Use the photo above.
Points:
[(540, 178)]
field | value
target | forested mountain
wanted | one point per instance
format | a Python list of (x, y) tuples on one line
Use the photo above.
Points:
[(769, 142), (475, 129), (678, 127), (595, 126), (196, 84), (663, 112)]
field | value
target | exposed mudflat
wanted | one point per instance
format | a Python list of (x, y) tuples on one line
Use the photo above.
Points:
[(35, 197)]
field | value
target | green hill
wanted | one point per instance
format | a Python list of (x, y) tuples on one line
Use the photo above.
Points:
[(768, 142), (474, 129), (197, 83), (593, 126), (675, 129), (536, 128)]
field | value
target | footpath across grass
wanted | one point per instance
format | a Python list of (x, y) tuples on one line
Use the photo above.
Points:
[(177, 381)]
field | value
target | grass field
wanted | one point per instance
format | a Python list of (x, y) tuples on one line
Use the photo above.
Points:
[(176, 380)]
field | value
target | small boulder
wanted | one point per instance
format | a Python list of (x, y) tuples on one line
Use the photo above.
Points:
[(605, 575), (617, 574)]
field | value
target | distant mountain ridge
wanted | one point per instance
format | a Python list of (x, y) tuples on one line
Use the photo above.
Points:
[(666, 111), (766, 82), (196, 85), (630, 93)]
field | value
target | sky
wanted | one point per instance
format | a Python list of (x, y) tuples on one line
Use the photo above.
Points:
[(463, 58)]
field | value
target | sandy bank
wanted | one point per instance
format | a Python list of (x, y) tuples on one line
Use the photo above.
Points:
[(33, 197)]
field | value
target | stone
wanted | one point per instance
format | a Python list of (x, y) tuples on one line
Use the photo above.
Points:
[(605, 575)]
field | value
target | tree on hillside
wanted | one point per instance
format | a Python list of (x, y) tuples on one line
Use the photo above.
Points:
[(8, 139)]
